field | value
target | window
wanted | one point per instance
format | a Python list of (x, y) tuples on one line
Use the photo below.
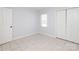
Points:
[(44, 20)]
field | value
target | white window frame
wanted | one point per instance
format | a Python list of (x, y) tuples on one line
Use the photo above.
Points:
[(43, 20)]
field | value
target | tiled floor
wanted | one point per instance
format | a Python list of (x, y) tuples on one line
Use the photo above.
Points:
[(39, 42)]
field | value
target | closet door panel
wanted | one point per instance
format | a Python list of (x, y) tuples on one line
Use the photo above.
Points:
[(1, 25), (61, 24), (73, 25), (5, 25)]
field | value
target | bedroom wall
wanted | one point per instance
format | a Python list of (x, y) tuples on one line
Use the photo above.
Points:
[(25, 22), (51, 16)]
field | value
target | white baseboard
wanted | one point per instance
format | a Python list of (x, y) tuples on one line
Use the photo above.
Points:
[(33, 34), (48, 34), (19, 37), (15, 38)]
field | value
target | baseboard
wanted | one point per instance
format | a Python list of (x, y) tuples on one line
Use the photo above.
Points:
[(4, 42), (15, 38), (48, 34), (19, 37)]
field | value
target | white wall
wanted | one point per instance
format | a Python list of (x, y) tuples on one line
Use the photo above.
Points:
[(25, 22), (51, 15)]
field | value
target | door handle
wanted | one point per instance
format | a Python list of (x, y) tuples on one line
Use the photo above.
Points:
[(11, 26)]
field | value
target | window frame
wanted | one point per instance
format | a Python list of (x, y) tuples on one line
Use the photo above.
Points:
[(43, 20)]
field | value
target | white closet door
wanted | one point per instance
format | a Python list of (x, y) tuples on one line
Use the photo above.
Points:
[(61, 24), (1, 25), (5, 23), (73, 25)]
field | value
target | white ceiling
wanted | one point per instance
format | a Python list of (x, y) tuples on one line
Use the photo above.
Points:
[(43, 8), (56, 8), (40, 8)]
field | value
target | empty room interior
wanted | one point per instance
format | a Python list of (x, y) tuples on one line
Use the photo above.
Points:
[(39, 29)]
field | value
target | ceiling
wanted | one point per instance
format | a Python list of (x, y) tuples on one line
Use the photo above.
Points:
[(43, 8), (55, 8)]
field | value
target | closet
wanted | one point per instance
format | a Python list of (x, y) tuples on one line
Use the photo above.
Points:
[(5, 25), (61, 24), (73, 24), (68, 24)]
